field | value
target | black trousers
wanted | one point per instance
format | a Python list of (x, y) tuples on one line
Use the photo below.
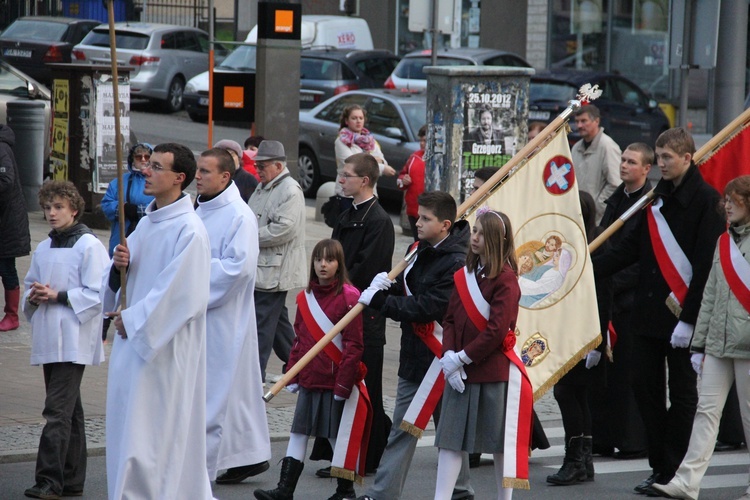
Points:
[(616, 419), (667, 430), (61, 460)]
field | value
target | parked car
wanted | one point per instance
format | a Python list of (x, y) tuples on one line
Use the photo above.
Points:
[(628, 113), (323, 73), (393, 117), (16, 85), (409, 74), (29, 43), (164, 56)]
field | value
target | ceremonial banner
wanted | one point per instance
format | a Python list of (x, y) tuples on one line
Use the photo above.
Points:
[(728, 162), (558, 322)]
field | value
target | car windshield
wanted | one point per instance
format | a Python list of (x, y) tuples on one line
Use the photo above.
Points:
[(416, 114), (37, 31), (412, 67), (551, 91), (243, 58), (123, 39), (12, 84)]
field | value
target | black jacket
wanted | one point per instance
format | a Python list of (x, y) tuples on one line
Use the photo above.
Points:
[(430, 281), (623, 283), (692, 212), (15, 240), (366, 233)]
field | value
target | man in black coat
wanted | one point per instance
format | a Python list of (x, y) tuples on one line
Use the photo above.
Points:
[(616, 421), (667, 302), (15, 240), (366, 233)]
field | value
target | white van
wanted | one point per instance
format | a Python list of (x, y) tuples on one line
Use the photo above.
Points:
[(338, 32)]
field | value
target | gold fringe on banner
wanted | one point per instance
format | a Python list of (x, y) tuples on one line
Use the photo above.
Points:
[(555, 378), (347, 474), (515, 483), (411, 429)]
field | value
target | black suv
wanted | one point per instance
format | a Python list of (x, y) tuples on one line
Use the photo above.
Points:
[(324, 73)]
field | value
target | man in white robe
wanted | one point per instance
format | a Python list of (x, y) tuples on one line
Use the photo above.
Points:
[(156, 392), (237, 436)]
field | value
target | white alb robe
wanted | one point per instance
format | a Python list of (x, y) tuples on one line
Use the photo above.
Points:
[(236, 429), (156, 392), (62, 333)]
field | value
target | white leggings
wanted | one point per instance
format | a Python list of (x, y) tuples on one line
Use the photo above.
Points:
[(449, 465), (297, 447)]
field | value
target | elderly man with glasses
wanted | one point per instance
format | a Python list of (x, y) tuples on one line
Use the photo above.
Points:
[(279, 205)]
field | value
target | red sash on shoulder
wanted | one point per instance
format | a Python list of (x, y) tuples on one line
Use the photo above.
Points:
[(354, 432), (736, 269), (430, 390), (520, 400), (674, 265)]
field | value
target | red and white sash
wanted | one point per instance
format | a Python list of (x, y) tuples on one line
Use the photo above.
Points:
[(354, 432), (520, 400), (736, 269), (430, 391), (673, 263)]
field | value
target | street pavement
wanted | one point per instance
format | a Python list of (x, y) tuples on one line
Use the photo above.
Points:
[(22, 398)]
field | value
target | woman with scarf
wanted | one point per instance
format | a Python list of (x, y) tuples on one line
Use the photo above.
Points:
[(355, 138)]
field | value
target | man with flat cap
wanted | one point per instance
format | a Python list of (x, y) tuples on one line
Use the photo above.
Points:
[(279, 205)]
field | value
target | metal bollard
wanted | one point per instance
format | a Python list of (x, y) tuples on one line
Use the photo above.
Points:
[(26, 119)]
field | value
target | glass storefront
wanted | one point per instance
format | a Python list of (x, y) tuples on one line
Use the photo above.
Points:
[(636, 45), (468, 36)]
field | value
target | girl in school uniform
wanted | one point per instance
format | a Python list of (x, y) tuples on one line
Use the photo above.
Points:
[(479, 360), (326, 383)]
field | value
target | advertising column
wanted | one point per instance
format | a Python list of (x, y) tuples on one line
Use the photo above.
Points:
[(477, 117)]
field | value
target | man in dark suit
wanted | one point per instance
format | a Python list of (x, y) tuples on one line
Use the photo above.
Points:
[(616, 421), (678, 232)]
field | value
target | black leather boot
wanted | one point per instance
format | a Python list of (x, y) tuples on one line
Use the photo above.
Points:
[(345, 489), (573, 470), (290, 472), (588, 459)]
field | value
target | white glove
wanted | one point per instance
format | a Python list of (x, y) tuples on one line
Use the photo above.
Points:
[(456, 379), (367, 295), (450, 362), (293, 388), (697, 361), (381, 281), (682, 334), (338, 398), (592, 359)]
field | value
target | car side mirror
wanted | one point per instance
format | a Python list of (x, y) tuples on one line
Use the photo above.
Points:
[(395, 133)]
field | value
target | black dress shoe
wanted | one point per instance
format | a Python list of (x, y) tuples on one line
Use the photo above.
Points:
[(722, 446), (43, 491), (325, 472), (236, 475), (630, 455), (72, 492), (646, 483)]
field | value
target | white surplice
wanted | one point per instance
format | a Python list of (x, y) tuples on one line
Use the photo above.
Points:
[(156, 392), (62, 333), (236, 429)]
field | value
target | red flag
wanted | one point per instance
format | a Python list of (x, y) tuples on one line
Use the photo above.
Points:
[(729, 162)]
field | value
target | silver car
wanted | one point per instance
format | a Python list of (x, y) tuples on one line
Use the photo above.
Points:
[(393, 117), (164, 57), (16, 85)]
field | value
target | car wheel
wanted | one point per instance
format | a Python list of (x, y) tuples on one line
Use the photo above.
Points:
[(197, 118), (309, 174), (174, 95)]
